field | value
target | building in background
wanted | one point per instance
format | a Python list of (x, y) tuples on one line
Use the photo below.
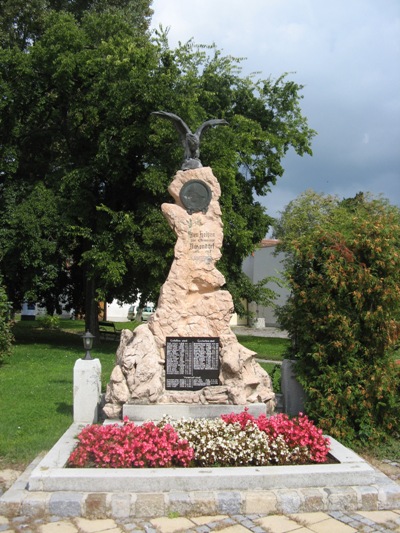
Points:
[(259, 265)]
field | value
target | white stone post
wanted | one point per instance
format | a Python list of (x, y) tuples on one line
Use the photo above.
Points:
[(87, 390)]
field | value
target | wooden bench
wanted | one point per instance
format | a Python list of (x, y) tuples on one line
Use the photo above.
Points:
[(108, 330)]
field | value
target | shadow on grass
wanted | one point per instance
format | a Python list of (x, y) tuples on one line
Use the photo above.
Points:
[(64, 408), (34, 334)]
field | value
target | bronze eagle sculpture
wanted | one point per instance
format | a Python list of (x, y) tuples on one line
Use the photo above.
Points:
[(190, 141)]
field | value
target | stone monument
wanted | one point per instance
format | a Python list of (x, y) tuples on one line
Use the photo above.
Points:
[(187, 352)]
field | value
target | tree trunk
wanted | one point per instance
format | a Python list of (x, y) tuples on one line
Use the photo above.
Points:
[(91, 309)]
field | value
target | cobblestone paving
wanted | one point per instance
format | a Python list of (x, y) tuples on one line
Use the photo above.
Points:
[(319, 522)]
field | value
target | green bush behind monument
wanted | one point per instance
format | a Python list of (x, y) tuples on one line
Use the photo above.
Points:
[(343, 315)]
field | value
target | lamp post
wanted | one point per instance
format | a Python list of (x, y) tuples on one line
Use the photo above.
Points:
[(87, 344), (87, 384)]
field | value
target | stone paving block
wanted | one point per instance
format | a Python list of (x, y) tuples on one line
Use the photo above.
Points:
[(131, 527), (36, 504), (279, 524), (203, 503), (343, 498), (10, 502), (96, 505), (203, 529), (172, 525), (148, 528), (121, 505), (150, 505), (201, 520), (65, 504), (381, 517), (351, 520), (289, 501), (237, 528), (361, 519), (305, 530), (179, 502), (247, 523), (257, 529), (390, 496), (331, 526), (314, 499), (260, 502), (367, 498), (58, 527), (229, 502), (95, 526), (224, 523), (309, 518)]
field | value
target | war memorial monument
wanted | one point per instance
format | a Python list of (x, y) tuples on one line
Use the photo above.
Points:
[(187, 354)]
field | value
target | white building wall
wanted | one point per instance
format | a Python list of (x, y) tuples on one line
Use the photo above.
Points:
[(117, 312), (261, 264)]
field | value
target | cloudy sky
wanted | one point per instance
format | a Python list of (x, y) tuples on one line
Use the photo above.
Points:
[(346, 53)]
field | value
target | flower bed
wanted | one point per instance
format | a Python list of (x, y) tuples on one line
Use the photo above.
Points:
[(232, 440)]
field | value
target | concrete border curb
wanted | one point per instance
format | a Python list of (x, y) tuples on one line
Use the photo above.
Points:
[(362, 488), (51, 475)]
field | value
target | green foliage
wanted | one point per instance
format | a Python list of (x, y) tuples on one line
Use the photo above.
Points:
[(49, 321), (343, 315), (276, 376), (32, 252), (6, 337), (22, 22), (85, 169)]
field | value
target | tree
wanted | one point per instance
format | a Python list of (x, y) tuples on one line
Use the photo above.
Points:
[(76, 117), (33, 260), (63, 106), (22, 22), (302, 215), (343, 313), (5, 329)]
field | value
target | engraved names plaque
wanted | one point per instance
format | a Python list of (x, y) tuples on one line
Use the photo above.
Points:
[(191, 363)]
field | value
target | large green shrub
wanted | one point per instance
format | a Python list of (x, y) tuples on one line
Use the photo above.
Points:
[(343, 316), (6, 337)]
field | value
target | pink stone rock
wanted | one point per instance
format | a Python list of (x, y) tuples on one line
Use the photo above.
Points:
[(191, 304)]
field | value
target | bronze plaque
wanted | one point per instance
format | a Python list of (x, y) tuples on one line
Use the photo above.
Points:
[(195, 196), (191, 363)]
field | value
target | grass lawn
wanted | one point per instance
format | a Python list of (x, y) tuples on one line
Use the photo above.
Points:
[(36, 388), (266, 347)]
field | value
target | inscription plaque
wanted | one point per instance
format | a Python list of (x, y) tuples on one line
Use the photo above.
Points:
[(191, 363)]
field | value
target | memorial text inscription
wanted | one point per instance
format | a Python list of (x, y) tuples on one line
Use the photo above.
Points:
[(191, 363)]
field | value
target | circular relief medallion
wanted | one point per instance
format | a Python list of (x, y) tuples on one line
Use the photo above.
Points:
[(195, 196)]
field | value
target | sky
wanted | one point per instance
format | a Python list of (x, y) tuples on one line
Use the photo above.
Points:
[(346, 53)]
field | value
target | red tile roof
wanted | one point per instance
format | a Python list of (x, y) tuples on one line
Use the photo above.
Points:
[(267, 243)]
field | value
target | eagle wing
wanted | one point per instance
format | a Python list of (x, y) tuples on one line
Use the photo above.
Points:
[(181, 127), (209, 124)]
